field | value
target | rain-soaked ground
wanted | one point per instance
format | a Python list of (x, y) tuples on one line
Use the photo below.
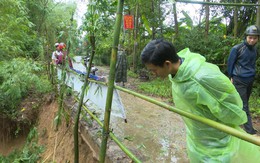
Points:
[(157, 134)]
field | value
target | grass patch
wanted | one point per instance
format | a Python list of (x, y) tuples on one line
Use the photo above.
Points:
[(157, 87), (132, 74), (254, 105)]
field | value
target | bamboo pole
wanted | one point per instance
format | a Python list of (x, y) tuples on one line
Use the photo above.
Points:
[(218, 4), (76, 126), (86, 83), (61, 94), (219, 126), (113, 137), (105, 131)]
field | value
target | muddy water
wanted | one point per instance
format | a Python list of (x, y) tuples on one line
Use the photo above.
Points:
[(156, 134)]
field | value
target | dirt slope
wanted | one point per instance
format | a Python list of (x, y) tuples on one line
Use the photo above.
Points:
[(59, 146)]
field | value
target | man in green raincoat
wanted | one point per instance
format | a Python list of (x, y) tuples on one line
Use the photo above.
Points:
[(202, 89)]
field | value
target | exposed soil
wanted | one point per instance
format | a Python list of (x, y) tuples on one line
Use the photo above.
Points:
[(13, 131), (59, 144)]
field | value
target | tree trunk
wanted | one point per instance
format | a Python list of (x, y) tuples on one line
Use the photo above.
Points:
[(160, 19), (207, 20), (153, 29), (235, 20), (135, 38), (258, 15), (176, 26)]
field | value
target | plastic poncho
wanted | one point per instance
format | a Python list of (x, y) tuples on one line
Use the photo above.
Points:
[(201, 89)]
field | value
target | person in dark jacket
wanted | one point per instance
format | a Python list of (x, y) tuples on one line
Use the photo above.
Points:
[(121, 66), (241, 70)]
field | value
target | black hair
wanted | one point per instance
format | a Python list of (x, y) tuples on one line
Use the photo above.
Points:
[(158, 51)]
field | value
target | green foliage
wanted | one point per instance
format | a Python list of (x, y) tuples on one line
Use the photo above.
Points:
[(30, 28), (99, 23), (146, 24), (187, 20), (30, 152), (15, 29), (20, 78), (215, 48), (246, 16), (157, 87), (132, 74), (254, 104)]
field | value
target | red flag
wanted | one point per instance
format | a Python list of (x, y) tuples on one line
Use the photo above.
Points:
[(128, 22)]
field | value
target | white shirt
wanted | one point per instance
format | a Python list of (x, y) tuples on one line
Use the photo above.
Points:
[(57, 53)]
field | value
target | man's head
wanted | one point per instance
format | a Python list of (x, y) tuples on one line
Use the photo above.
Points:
[(252, 35), (57, 46), (160, 57)]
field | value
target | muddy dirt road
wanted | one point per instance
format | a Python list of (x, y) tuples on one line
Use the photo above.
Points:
[(157, 134)]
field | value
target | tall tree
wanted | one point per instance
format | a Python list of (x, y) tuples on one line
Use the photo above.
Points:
[(246, 15), (207, 19), (16, 29), (135, 37), (258, 15), (176, 26), (235, 19)]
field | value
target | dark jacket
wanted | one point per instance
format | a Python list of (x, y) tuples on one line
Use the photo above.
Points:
[(242, 60)]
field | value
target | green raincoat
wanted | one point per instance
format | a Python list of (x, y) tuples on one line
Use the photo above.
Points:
[(201, 89)]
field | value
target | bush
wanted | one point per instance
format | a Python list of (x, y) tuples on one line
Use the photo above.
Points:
[(157, 87), (19, 78)]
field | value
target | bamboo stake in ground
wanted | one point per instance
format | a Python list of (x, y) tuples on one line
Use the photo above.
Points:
[(76, 126), (105, 132)]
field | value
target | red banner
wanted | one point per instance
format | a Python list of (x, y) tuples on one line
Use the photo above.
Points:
[(128, 22)]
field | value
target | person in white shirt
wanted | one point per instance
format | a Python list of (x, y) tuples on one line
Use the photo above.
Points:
[(56, 53)]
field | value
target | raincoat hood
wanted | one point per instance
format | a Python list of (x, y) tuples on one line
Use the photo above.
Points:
[(192, 61)]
